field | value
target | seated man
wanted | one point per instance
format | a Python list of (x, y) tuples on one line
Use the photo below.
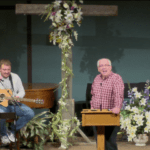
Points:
[(9, 80)]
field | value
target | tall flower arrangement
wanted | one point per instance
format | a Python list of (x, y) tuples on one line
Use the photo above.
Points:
[(135, 116), (63, 15)]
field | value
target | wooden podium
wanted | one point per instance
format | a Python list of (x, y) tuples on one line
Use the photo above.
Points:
[(100, 119)]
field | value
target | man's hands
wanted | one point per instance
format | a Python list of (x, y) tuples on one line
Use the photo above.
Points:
[(17, 97), (115, 110)]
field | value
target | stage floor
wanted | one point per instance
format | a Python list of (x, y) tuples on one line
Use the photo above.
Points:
[(80, 144)]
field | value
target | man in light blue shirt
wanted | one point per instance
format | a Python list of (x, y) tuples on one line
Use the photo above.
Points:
[(12, 81)]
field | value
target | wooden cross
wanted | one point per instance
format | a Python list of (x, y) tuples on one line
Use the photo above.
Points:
[(88, 10)]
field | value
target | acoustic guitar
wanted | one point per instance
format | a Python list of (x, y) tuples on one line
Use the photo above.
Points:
[(5, 97)]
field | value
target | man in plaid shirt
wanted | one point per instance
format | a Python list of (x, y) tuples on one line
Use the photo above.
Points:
[(108, 91)]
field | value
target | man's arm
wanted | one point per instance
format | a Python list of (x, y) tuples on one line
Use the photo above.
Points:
[(92, 97), (92, 92), (20, 88), (118, 91)]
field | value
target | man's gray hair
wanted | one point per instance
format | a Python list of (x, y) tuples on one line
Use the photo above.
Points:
[(101, 59)]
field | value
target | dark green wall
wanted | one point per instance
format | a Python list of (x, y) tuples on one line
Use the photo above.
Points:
[(124, 39)]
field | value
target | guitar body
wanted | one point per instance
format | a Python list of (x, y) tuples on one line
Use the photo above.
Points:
[(3, 94)]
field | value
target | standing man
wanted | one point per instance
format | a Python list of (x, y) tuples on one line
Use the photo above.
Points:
[(107, 90), (9, 80)]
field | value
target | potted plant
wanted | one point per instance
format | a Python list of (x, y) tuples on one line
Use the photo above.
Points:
[(36, 132), (135, 116)]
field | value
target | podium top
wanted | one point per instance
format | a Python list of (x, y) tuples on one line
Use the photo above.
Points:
[(84, 111)]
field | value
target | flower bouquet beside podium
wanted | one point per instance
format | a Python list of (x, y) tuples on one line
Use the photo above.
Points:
[(135, 116)]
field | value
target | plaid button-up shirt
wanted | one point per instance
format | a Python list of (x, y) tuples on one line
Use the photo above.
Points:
[(109, 91)]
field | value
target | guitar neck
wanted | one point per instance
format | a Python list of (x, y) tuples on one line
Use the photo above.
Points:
[(20, 99)]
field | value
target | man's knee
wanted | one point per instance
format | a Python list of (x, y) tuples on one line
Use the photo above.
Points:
[(30, 114), (3, 109)]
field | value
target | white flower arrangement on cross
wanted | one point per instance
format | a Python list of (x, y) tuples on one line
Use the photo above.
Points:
[(63, 14)]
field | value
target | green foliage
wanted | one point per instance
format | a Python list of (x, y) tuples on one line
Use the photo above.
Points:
[(36, 127)]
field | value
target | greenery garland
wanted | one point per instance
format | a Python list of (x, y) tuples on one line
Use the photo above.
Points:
[(63, 14)]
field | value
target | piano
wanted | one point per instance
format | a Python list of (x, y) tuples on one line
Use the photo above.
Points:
[(42, 91)]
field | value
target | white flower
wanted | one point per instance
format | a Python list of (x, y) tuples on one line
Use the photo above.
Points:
[(62, 28), (129, 128), (134, 89), (76, 35), (69, 18), (78, 24), (59, 33), (54, 34), (62, 103), (70, 42), (132, 134), (143, 101), (74, 5), (57, 19), (127, 121), (127, 107), (147, 115), (137, 95), (57, 3), (123, 125), (79, 11), (76, 15), (63, 146), (78, 123), (129, 138), (51, 17), (54, 41), (136, 117), (75, 118), (146, 129), (66, 5), (135, 109), (134, 128), (140, 122), (148, 123), (58, 14), (63, 69), (64, 44), (79, 17), (54, 24), (67, 12), (130, 117), (67, 55), (141, 117), (81, 1)]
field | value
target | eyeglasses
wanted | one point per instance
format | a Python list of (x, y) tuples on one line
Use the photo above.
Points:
[(104, 65)]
